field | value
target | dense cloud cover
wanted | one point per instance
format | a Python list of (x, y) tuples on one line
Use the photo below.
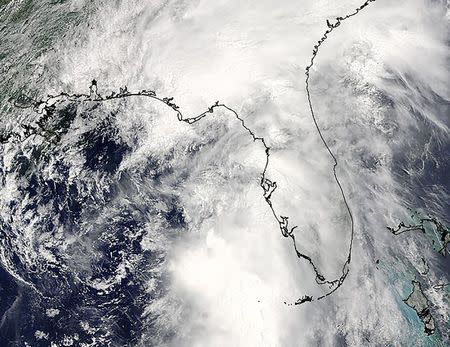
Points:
[(177, 207)]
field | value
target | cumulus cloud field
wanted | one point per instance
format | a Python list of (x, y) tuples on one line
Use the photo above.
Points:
[(227, 277)]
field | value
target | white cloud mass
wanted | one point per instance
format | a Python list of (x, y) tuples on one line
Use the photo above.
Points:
[(381, 95)]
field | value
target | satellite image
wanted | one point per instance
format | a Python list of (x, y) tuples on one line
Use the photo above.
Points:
[(203, 173)]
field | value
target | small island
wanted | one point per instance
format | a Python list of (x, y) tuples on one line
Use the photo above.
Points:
[(419, 303)]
